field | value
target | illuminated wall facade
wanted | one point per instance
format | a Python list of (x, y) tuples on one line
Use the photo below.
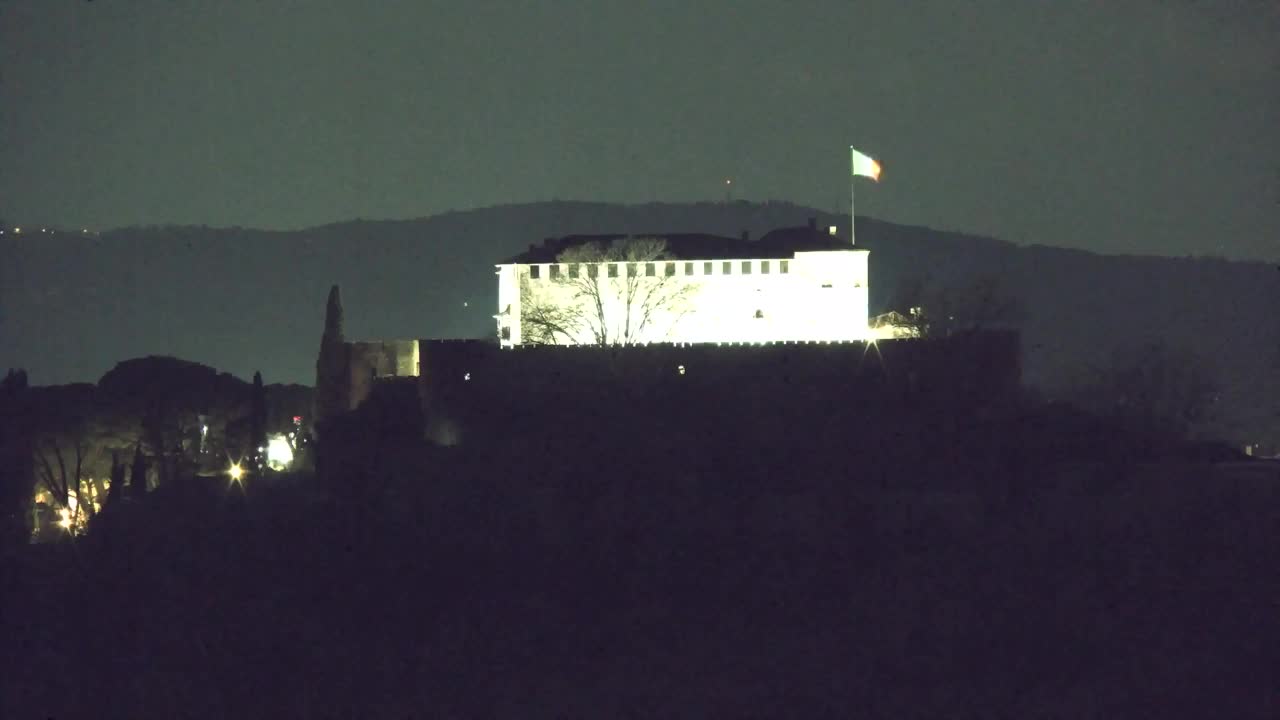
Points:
[(804, 296)]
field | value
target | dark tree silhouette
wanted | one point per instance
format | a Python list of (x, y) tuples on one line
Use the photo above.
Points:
[(15, 462), (138, 473), (331, 364), (934, 311), (62, 454), (1153, 387), (258, 421), (116, 490)]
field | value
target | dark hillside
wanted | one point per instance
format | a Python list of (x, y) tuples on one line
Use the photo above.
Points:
[(725, 563), (433, 277)]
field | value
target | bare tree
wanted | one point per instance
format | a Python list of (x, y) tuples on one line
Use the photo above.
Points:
[(617, 293), (545, 322), (74, 453), (61, 459)]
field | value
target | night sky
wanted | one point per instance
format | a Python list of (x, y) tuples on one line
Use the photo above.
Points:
[(1121, 127)]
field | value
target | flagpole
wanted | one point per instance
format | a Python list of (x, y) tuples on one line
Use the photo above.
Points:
[(852, 185)]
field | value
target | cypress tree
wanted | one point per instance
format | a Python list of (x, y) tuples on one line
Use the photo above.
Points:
[(138, 473), (331, 364), (258, 420), (117, 479)]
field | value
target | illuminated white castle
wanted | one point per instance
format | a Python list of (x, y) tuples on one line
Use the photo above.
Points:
[(792, 285)]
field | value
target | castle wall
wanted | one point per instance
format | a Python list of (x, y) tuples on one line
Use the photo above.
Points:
[(369, 361), (473, 384), (813, 296)]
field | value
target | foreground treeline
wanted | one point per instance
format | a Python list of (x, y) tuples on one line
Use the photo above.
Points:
[(68, 450), (741, 560)]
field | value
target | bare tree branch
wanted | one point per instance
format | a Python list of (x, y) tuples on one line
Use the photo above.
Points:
[(640, 297)]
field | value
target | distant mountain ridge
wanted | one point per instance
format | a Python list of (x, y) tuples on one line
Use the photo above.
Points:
[(244, 299)]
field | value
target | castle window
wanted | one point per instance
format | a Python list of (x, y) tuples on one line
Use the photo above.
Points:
[(706, 268), (764, 267), (535, 272), (784, 266), (688, 268), (671, 269), (746, 267), (631, 269), (506, 335), (593, 271), (726, 268), (573, 271), (613, 270), (555, 271), (650, 270)]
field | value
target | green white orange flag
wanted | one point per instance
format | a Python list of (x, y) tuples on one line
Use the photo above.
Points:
[(865, 165)]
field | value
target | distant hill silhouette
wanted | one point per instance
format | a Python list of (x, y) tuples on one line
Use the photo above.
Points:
[(244, 299)]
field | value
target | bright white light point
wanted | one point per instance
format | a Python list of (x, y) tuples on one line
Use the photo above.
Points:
[(236, 472), (465, 304), (680, 369), (831, 229), (466, 376), (204, 429), (279, 452)]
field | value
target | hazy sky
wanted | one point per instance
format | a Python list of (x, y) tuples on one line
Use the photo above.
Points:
[(1117, 126)]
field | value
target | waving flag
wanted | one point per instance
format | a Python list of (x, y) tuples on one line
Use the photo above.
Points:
[(865, 165)]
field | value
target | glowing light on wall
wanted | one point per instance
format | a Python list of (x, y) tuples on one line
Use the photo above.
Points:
[(279, 452), (235, 472)]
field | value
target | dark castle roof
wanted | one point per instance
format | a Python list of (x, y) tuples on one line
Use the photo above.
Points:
[(780, 243)]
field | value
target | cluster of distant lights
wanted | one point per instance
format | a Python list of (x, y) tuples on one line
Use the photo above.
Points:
[(278, 453), (18, 231), (69, 518)]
